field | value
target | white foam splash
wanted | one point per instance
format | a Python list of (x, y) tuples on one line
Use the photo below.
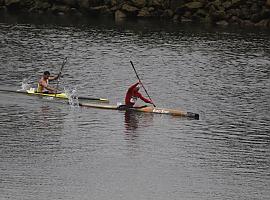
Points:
[(25, 85), (72, 97)]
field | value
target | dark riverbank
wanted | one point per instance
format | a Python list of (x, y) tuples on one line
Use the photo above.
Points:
[(217, 12)]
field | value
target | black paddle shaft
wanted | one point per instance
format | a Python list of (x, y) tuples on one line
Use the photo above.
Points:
[(141, 83), (63, 64)]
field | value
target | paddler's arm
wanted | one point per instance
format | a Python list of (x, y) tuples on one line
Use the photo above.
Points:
[(46, 86), (50, 89), (143, 98), (52, 78)]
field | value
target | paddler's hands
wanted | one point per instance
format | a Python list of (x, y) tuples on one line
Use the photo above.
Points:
[(59, 75)]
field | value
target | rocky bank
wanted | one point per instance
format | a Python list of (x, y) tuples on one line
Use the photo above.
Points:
[(219, 12)]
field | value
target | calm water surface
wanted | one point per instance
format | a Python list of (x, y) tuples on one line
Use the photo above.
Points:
[(50, 150)]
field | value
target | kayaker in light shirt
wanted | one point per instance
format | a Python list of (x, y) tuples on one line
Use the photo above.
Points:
[(43, 83)]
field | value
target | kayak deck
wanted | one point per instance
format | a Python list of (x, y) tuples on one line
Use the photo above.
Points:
[(58, 95), (147, 109)]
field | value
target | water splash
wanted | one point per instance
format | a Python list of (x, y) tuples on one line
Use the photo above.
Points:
[(72, 97), (25, 85)]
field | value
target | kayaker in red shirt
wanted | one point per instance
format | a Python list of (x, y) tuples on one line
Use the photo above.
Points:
[(133, 94)]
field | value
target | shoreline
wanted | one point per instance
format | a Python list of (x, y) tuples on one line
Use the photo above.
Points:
[(253, 13)]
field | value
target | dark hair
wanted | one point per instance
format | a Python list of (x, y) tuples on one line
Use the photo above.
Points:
[(47, 73)]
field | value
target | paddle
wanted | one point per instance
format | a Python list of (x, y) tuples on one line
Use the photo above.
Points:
[(141, 83), (59, 74)]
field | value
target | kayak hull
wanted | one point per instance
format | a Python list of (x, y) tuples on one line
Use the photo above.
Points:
[(146, 109), (58, 95)]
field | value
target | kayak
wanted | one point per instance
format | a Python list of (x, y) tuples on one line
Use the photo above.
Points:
[(146, 109), (64, 96)]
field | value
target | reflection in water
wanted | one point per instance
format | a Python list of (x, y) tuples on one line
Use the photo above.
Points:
[(46, 117), (133, 120)]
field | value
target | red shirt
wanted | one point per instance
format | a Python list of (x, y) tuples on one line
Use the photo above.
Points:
[(133, 94)]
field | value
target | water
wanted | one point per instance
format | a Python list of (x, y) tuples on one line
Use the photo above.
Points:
[(50, 150)]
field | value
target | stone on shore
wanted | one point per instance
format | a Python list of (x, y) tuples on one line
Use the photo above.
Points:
[(119, 15), (71, 3), (129, 11), (100, 10), (12, 2), (236, 3), (129, 8), (40, 5), (159, 3), (222, 23), (144, 12), (167, 14), (84, 4), (263, 23), (267, 3), (139, 3), (60, 9), (194, 5), (19, 4)]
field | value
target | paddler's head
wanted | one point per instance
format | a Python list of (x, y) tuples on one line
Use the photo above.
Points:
[(138, 87), (46, 74)]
